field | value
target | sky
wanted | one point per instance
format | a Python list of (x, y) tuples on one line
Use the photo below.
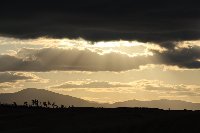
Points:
[(103, 50)]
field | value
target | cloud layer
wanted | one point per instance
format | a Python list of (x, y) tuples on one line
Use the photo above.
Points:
[(145, 86), (179, 90), (50, 59), (182, 57), (91, 84), (9, 77), (11, 80), (53, 59), (142, 20)]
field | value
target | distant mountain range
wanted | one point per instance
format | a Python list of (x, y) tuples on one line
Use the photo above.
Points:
[(162, 104), (42, 95)]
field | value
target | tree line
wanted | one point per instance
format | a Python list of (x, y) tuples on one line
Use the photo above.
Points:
[(37, 103)]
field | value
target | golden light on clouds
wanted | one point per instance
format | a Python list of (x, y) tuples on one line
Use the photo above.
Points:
[(104, 71), (117, 44)]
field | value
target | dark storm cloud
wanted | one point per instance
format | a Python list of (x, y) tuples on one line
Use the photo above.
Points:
[(49, 59), (93, 84), (182, 57), (95, 20)]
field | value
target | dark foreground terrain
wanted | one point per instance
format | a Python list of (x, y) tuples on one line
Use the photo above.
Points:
[(97, 120)]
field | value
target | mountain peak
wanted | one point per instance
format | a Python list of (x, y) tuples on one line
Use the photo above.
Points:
[(43, 95), (31, 89), (34, 90)]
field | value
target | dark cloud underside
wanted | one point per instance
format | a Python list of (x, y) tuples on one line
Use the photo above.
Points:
[(182, 57), (142, 20), (13, 77)]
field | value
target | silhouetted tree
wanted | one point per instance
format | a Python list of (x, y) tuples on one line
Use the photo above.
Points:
[(45, 104), (62, 106), (33, 102), (25, 103), (15, 104), (53, 105), (36, 102), (40, 104), (49, 103)]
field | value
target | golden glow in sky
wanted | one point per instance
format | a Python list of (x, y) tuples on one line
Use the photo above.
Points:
[(99, 71)]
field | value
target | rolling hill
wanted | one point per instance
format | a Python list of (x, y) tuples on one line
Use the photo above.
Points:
[(162, 104), (45, 95)]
